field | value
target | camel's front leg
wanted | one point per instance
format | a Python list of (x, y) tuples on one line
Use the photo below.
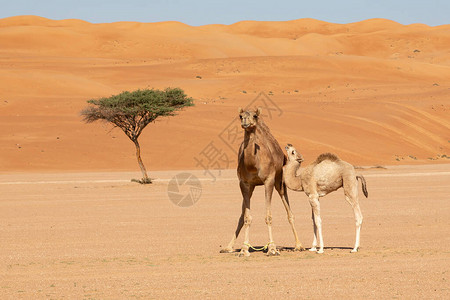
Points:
[(247, 192), (272, 249), (229, 248), (315, 206), (247, 221)]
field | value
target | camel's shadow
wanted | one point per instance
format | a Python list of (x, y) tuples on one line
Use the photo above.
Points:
[(291, 249)]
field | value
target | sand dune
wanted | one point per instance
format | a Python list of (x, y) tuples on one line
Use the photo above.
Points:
[(374, 92)]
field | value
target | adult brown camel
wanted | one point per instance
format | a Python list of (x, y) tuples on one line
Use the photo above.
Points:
[(325, 175), (260, 162)]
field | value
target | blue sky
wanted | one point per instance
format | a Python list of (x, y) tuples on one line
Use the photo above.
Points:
[(201, 12)]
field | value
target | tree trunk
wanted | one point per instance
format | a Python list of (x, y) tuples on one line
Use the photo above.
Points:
[(145, 178)]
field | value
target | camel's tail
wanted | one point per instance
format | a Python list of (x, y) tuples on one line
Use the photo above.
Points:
[(364, 185)]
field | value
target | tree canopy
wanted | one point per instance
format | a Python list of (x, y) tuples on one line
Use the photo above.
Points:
[(133, 111)]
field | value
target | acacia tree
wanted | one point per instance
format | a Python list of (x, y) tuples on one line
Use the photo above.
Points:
[(133, 111)]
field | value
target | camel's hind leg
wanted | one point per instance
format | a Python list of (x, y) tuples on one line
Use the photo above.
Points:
[(284, 198), (351, 195), (247, 191), (314, 243), (315, 206)]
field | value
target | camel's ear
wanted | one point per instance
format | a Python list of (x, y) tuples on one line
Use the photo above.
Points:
[(240, 110), (258, 111)]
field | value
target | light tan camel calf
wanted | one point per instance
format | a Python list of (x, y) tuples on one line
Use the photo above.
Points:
[(325, 175)]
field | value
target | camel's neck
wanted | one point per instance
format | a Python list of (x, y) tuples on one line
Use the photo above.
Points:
[(258, 133), (252, 135), (292, 181), (251, 149)]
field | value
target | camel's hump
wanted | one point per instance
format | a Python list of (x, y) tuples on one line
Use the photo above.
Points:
[(326, 156)]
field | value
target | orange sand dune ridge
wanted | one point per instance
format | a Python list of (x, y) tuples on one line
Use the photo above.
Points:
[(374, 92)]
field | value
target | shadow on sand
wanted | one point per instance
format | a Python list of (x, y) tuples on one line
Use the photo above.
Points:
[(289, 249)]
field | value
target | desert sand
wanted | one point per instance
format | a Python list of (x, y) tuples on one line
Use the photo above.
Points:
[(72, 225), (99, 236)]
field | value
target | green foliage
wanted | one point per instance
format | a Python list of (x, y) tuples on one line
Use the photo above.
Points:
[(133, 111)]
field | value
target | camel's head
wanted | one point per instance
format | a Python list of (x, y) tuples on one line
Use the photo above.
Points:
[(249, 118), (292, 154)]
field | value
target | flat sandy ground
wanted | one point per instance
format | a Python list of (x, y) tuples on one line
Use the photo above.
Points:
[(98, 235)]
